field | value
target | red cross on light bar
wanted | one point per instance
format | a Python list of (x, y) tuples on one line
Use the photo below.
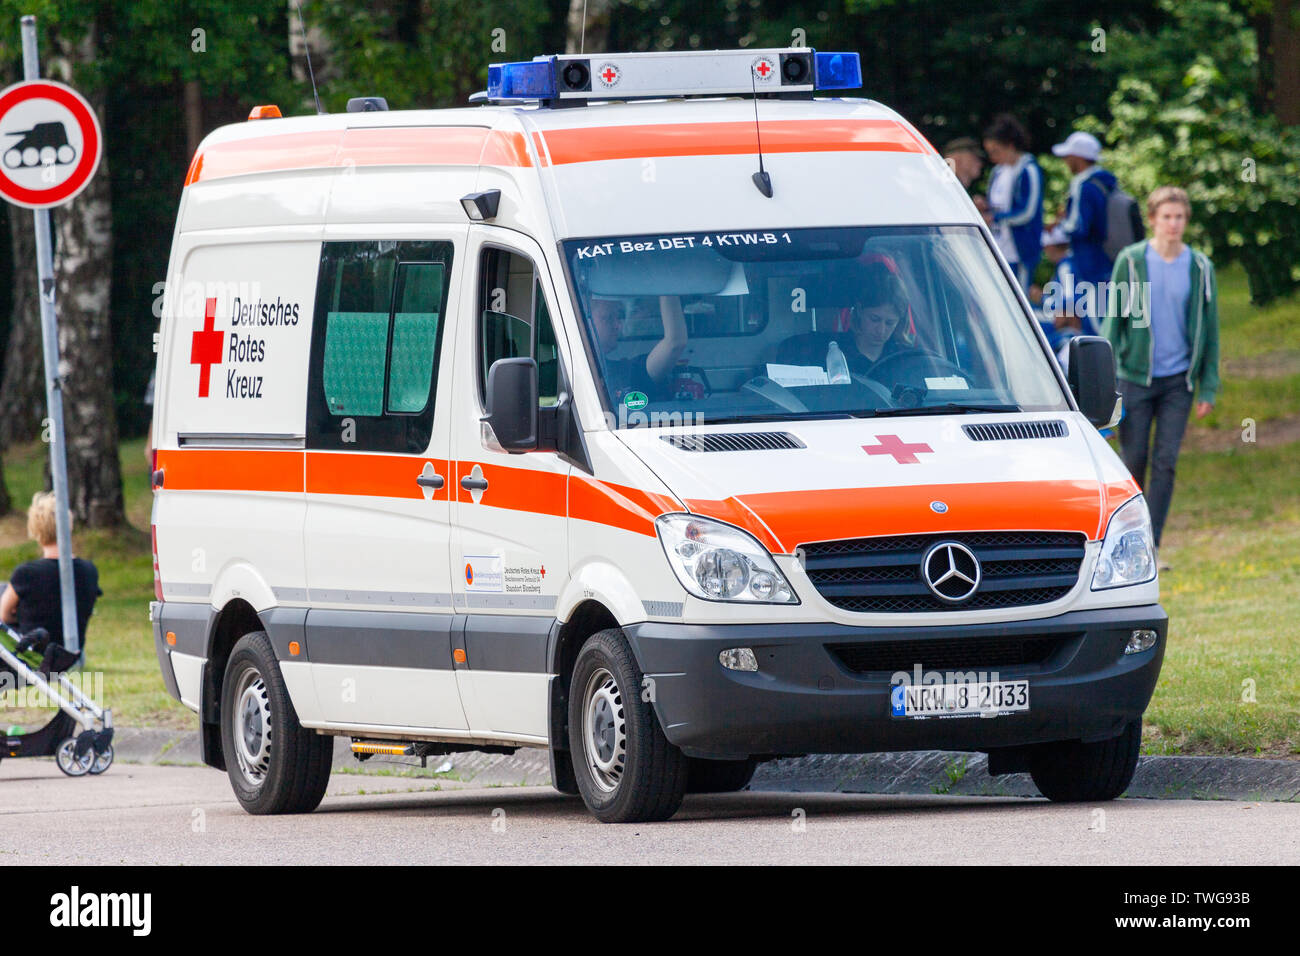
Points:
[(205, 347), (608, 75), (903, 453), (763, 69)]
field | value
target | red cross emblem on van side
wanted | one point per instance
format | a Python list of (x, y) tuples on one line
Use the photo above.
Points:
[(205, 348), (903, 453)]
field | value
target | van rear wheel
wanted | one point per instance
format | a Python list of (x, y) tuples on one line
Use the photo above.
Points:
[(627, 771), (1074, 772), (274, 764)]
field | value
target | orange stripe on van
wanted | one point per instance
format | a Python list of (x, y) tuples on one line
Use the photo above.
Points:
[(1115, 494), (504, 148), (373, 146), (412, 146), (221, 469), (384, 476), (802, 517), (588, 144), (516, 489), (732, 511), (617, 506)]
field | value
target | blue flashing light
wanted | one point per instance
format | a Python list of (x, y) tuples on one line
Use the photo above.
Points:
[(837, 71), (530, 80)]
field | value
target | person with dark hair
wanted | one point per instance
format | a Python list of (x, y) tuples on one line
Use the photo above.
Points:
[(1015, 196), (877, 320)]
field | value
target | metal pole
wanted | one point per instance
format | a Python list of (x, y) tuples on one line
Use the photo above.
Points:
[(53, 385)]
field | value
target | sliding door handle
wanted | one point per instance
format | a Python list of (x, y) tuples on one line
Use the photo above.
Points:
[(471, 483), (430, 481)]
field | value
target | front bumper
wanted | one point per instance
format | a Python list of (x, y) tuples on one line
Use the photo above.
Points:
[(803, 699)]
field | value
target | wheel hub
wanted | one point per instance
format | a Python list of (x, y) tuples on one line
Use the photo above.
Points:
[(253, 728), (605, 731)]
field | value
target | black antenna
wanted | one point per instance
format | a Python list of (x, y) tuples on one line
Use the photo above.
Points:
[(307, 49), (761, 179)]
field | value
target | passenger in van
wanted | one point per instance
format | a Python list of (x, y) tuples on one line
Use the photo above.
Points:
[(650, 373)]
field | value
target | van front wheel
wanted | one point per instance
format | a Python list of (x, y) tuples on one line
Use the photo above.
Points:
[(1073, 772), (274, 764), (627, 771)]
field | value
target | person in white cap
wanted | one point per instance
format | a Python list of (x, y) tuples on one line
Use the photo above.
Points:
[(1085, 219)]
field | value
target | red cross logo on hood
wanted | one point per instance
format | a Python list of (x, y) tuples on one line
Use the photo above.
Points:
[(903, 453)]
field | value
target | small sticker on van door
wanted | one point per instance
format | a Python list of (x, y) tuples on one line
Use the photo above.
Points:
[(483, 572)]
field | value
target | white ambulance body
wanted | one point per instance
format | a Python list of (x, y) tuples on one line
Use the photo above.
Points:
[(400, 497)]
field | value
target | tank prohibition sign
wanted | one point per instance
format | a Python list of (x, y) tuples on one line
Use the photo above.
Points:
[(50, 144)]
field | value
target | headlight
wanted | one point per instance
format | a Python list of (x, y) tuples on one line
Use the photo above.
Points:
[(1127, 551), (717, 562)]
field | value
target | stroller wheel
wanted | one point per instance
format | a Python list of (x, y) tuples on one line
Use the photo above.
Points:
[(102, 761), (68, 760)]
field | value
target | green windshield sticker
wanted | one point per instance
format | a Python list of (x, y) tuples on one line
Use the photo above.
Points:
[(635, 400)]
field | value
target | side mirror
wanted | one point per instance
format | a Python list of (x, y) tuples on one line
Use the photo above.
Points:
[(512, 403), (1091, 376)]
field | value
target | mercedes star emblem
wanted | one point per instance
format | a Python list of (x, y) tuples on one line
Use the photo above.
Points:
[(951, 571)]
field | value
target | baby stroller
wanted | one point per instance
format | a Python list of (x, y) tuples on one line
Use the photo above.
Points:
[(80, 735)]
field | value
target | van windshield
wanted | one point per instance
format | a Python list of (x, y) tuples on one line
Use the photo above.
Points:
[(778, 324)]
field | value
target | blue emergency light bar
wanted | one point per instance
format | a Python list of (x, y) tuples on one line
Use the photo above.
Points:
[(625, 76)]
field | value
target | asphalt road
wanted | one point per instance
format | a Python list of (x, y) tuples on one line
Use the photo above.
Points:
[(187, 815)]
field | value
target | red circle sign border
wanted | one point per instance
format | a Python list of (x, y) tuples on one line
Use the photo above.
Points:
[(92, 141)]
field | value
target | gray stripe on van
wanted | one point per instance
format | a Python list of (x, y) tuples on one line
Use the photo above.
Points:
[(379, 598), (663, 608), (380, 638), (290, 595), (185, 589), (520, 602)]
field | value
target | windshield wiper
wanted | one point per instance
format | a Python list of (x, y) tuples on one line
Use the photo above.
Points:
[(947, 408), (809, 415)]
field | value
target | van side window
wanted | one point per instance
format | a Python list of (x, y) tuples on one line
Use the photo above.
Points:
[(515, 321), (375, 344)]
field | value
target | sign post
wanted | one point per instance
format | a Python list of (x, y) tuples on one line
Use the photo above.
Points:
[(50, 146)]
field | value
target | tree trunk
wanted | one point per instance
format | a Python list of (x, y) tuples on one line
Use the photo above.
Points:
[(22, 393), (83, 274), (593, 36), (193, 116), (1285, 36)]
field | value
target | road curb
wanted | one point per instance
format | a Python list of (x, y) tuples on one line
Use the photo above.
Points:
[(920, 772)]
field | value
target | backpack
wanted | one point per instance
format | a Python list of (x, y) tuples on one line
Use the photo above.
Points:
[(1123, 222)]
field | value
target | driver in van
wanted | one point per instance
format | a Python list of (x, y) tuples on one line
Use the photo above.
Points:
[(650, 373), (878, 319)]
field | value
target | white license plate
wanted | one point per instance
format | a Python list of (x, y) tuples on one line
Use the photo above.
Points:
[(959, 700)]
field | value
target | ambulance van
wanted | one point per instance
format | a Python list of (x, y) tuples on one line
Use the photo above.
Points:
[(651, 410)]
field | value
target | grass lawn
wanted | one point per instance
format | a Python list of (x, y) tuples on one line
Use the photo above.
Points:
[(1233, 541)]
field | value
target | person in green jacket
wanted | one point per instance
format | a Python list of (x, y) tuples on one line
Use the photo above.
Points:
[(1162, 319)]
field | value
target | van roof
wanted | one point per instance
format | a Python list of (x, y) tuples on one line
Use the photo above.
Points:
[(825, 156)]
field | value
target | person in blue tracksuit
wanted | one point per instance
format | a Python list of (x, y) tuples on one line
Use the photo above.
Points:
[(1085, 217), (1015, 196)]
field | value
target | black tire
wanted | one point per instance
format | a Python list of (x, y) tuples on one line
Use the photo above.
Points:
[(634, 774), (282, 768), (718, 776), (1073, 772)]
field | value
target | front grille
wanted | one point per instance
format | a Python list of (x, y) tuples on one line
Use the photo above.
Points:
[(883, 575), (1012, 431), (734, 441), (949, 654)]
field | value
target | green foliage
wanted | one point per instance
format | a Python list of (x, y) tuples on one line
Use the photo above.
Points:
[(420, 54), (1183, 114)]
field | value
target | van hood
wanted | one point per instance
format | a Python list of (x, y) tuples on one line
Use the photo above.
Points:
[(868, 477)]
